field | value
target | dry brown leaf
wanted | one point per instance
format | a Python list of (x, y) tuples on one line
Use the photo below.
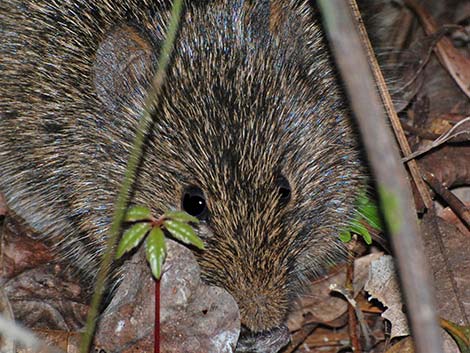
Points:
[(319, 306), (367, 306), (456, 64), (361, 270), (68, 342), (460, 132), (42, 293), (382, 285), (440, 126), (3, 206), (6, 345), (447, 250), (19, 251), (404, 346), (450, 217)]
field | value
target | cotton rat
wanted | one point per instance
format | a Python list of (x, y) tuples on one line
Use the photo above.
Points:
[(252, 135)]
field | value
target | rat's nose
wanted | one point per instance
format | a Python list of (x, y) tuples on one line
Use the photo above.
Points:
[(261, 309), (263, 342)]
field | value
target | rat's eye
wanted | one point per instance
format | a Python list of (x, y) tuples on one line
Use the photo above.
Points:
[(284, 190), (194, 202)]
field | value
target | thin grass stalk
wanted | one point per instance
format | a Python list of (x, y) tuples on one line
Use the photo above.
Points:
[(130, 174)]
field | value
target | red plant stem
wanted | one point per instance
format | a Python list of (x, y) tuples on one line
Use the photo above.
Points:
[(352, 327), (157, 222), (156, 331)]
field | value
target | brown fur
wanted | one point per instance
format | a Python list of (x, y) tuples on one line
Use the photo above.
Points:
[(247, 99)]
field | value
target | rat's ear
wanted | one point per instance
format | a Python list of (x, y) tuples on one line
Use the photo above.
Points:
[(298, 23), (123, 68)]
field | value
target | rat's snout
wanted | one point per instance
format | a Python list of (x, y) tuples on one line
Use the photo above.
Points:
[(263, 342), (260, 309), (251, 261), (263, 306)]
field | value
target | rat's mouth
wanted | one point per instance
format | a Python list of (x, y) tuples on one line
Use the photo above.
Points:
[(263, 342)]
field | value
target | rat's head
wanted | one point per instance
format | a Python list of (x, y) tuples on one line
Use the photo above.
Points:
[(251, 136)]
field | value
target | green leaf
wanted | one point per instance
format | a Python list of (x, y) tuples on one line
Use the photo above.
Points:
[(359, 228), (155, 249), (138, 213), (461, 334), (132, 237), (369, 211), (181, 216), (367, 237), (183, 232), (345, 236)]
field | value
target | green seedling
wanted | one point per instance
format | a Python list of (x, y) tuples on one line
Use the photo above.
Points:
[(367, 213), (145, 226)]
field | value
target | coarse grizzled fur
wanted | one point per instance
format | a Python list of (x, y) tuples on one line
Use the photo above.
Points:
[(251, 97)]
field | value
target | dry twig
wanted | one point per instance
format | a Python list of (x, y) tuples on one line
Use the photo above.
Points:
[(453, 201)]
